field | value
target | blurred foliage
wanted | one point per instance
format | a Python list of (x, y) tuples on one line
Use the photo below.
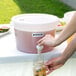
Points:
[(9, 8)]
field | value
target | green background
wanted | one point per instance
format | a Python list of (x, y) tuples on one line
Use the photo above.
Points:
[(9, 8)]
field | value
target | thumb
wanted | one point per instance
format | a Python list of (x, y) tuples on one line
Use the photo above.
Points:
[(51, 61)]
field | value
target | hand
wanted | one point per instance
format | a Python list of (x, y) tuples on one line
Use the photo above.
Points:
[(48, 40), (54, 63)]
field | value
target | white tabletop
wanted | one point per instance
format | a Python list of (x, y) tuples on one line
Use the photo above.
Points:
[(9, 52), (20, 64), (26, 69)]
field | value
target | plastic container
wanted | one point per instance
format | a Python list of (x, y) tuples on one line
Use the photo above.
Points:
[(68, 16), (29, 28)]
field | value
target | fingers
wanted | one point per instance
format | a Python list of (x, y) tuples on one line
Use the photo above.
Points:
[(41, 41), (57, 66), (53, 68), (53, 64), (50, 62), (54, 61), (46, 40), (49, 67), (48, 72)]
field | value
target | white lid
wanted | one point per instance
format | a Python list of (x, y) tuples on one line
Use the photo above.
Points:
[(34, 19), (35, 22)]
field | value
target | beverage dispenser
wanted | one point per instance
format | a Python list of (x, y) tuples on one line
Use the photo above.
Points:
[(29, 28)]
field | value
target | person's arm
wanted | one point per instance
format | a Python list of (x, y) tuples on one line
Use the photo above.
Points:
[(70, 49), (57, 62), (68, 31)]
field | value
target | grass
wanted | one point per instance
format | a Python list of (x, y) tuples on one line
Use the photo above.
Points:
[(9, 8)]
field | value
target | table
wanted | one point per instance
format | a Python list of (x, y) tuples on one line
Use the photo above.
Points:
[(9, 52), (26, 69), (16, 63)]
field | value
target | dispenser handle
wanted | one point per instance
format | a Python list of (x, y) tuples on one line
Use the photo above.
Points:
[(39, 48)]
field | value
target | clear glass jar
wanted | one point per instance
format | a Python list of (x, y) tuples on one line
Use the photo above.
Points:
[(39, 67)]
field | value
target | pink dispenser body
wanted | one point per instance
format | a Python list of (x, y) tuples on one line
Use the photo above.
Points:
[(29, 28)]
